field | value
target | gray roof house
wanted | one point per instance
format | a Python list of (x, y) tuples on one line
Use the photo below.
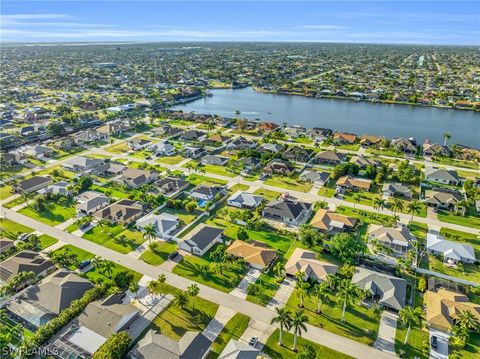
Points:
[(288, 211), (329, 158), (91, 201), (270, 147), (32, 184), (452, 252), (163, 223), (206, 193), (388, 290), (397, 238), (444, 199), (319, 178), (440, 175), (24, 261), (244, 200), (396, 189), (136, 177), (163, 149), (236, 349), (200, 240), (192, 345), (171, 184), (214, 160), (57, 188), (82, 164), (39, 303), (363, 162)]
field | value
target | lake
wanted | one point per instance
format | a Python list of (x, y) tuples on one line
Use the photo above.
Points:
[(344, 115)]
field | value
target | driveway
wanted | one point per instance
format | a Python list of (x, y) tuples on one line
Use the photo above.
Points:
[(260, 330), (216, 325), (386, 332), (241, 290), (283, 293), (442, 344)]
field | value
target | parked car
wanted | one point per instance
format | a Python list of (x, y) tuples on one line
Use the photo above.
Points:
[(253, 341), (23, 236), (83, 264), (84, 225), (172, 255)]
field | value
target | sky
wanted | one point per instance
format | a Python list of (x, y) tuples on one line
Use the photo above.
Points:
[(385, 22)]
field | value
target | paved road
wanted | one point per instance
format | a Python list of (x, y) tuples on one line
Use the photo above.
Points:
[(261, 314)]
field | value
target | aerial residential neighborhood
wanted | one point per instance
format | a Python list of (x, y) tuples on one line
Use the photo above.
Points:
[(144, 214)]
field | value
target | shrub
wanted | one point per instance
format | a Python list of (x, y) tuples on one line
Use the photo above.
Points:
[(115, 347)]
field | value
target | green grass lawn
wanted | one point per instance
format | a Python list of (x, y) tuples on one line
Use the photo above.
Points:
[(196, 179), (419, 230), (292, 183), (361, 324), (174, 322), (272, 349), (366, 216), (160, 254), (72, 228), (170, 160), (219, 170), (456, 163), (115, 237), (190, 267), (52, 215), (422, 213), (5, 191), (467, 220), (472, 348), (184, 216), (232, 330), (415, 344), (237, 187), (7, 172), (46, 241), (470, 272), (366, 198), (11, 229), (111, 190), (268, 287), (268, 194), (15, 202), (119, 148)]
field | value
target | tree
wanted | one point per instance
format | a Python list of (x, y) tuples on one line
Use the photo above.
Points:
[(149, 232), (97, 262), (298, 324), (378, 204), (278, 269), (123, 278), (191, 206), (241, 124), (397, 205), (346, 247), (284, 319), (414, 207), (180, 300), (152, 286), (107, 268), (446, 137), (320, 291), (356, 199), (466, 319), (302, 292), (193, 291), (115, 347), (347, 293), (161, 278), (409, 317), (134, 287)]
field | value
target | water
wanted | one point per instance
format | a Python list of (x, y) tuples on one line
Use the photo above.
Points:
[(344, 115)]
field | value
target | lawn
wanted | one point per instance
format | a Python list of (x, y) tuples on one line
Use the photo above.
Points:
[(366, 216), (7, 172), (160, 254), (366, 198), (15, 202), (238, 187), (115, 237), (472, 349), (119, 148), (174, 322), (456, 163), (267, 289), (292, 183), (419, 230), (417, 340), (5, 191), (328, 189), (191, 267), (272, 349), (470, 272), (170, 160), (111, 190), (467, 220), (184, 216), (219, 170), (423, 209), (196, 179), (52, 215), (361, 324), (268, 194), (46, 241), (12, 229), (232, 330)]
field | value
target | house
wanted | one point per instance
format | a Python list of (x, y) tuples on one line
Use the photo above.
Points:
[(124, 211), (440, 175), (330, 221), (193, 135), (318, 178), (164, 223), (344, 138), (32, 184), (163, 149), (203, 193), (90, 201), (138, 144), (60, 188), (348, 183), (452, 252), (98, 321), (244, 200), (329, 158), (216, 139), (89, 135), (136, 177), (248, 163), (364, 162), (405, 145), (38, 152), (256, 254), (171, 184), (267, 126), (278, 167), (6, 244), (214, 160), (318, 134), (442, 199), (114, 128), (241, 143), (40, 303), (201, 239), (270, 147), (193, 151), (12, 159), (389, 291), (397, 239), (434, 149), (294, 131), (391, 189), (192, 345), (65, 143), (24, 261), (370, 140), (298, 154), (236, 349), (166, 130), (82, 164), (110, 168), (288, 211), (306, 262), (443, 307)]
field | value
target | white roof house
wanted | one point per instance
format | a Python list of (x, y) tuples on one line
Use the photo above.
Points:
[(244, 200), (163, 223), (454, 251)]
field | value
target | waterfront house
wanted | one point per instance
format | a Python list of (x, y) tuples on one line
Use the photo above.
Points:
[(255, 253), (267, 126), (404, 145), (370, 140), (434, 149), (344, 138)]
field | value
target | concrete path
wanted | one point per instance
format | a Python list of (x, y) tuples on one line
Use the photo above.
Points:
[(65, 224), (283, 293), (20, 206), (81, 232), (53, 247), (170, 263), (386, 332), (213, 329), (442, 344), (241, 290), (258, 329)]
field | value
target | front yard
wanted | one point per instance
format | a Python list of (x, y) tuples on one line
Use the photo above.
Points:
[(170, 160), (469, 220), (11, 229), (115, 237), (291, 183), (52, 214), (418, 340), (232, 330), (159, 254)]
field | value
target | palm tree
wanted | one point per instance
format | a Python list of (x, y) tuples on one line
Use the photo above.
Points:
[(278, 269), (378, 204), (161, 278), (108, 268), (446, 137), (149, 232), (189, 166), (347, 293), (152, 286), (397, 205), (298, 324), (284, 319), (134, 287), (356, 199), (180, 300), (193, 291), (320, 291), (302, 292), (410, 316), (332, 281), (466, 319), (414, 207), (96, 262)]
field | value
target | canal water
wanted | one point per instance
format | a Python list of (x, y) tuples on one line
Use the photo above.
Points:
[(344, 115)]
